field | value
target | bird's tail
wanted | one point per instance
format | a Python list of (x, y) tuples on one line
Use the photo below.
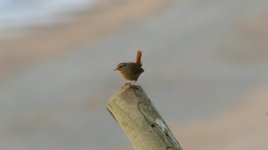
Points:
[(138, 57)]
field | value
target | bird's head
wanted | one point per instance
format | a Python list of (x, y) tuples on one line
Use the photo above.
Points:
[(120, 66)]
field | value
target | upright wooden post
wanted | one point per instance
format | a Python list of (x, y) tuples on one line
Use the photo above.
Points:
[(141, 122)]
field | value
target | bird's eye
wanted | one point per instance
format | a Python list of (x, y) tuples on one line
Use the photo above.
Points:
[(121, 65)]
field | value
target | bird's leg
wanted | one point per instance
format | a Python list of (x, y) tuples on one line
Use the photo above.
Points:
[(133, 82), (128, 84)]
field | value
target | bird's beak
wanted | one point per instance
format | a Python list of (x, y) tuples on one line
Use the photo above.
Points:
[(116, 68)]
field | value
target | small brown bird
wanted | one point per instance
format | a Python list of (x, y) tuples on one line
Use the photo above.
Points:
[(131, 70)]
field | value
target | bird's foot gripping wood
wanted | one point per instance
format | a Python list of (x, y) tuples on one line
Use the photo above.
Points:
[(128, 84)]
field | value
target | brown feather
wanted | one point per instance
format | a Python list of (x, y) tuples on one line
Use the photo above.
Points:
[(138, 57)]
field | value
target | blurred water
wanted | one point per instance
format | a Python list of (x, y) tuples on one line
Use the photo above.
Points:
[(21, 13)]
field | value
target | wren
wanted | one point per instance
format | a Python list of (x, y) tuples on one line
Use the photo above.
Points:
[(131, 70)]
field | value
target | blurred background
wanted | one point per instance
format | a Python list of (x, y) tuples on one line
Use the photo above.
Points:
[(205, 67)]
